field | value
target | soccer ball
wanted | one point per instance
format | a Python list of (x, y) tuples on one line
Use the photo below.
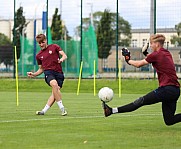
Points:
[(105, 94)]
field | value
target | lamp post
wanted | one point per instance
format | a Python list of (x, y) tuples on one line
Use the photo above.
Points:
[(153, 22), (91, 14)]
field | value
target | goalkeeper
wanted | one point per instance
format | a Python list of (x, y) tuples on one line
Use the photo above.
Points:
[(168, 91)]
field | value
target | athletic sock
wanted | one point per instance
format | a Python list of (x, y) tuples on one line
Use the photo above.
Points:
[(60, 105), (45, 109), (114, 110)]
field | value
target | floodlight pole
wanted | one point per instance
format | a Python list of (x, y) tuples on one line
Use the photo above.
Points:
[(153, 22), (91, 14)]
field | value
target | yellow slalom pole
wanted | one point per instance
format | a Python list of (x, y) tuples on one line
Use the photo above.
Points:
[(16, 66), (94, 77), (78, 87), (119, 78)]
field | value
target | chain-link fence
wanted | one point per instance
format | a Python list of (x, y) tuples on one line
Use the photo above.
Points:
[(116, 24)]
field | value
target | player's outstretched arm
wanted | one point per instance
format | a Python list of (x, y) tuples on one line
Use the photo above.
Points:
[(135, 63), (34, 74), (138, 63)]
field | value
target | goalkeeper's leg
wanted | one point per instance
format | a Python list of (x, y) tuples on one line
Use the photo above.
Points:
[(148, 99)]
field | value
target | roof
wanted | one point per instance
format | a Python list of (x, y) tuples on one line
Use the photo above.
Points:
[(159, 30)]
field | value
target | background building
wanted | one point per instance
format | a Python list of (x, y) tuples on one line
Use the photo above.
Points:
[(140, 36), (6, 27)]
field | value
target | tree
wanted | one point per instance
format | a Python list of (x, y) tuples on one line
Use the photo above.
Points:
[(86, 21), (124, 31), (6, 50), (20, 25), (124, 28), (178, 29), (6, 55), (4, 40), (104, 35), (176, 40), (58, 29)]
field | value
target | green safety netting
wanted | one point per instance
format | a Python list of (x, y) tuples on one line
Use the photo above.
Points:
[(71, 66)]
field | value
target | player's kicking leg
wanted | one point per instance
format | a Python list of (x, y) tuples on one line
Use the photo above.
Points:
[(50, 102), (148, 99)]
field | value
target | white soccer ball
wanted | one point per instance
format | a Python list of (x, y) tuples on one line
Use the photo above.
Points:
[(106, 94)]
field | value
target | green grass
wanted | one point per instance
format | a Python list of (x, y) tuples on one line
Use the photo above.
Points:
[(85, 127), (133, 86)]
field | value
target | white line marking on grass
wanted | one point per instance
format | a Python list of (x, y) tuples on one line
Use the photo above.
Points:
[(44, 119), (75, 117), (27, 120), (132, 115)]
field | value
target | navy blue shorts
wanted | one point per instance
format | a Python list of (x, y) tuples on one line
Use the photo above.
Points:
[(53, 75), (167, 95)]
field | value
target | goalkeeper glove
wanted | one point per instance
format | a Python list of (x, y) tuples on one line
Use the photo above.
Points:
[(145, 48), (126, 54)]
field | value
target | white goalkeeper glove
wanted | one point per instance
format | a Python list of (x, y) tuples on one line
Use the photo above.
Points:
[(145, 48)]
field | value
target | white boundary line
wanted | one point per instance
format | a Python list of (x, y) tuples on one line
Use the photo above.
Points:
[(75, 117)]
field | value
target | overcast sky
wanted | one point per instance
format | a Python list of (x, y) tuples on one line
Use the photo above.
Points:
[(137, 12)]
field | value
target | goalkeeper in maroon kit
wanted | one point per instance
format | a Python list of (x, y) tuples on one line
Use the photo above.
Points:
[(168, 91), (49, 60)]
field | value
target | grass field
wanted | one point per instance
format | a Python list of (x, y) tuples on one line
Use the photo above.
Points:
[(84, 127)]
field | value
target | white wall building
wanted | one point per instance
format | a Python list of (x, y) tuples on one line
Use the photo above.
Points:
[(6, 27), (140, 36)]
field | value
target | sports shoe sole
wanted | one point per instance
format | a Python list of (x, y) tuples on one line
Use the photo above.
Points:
[(64, 113), (39, 113)]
